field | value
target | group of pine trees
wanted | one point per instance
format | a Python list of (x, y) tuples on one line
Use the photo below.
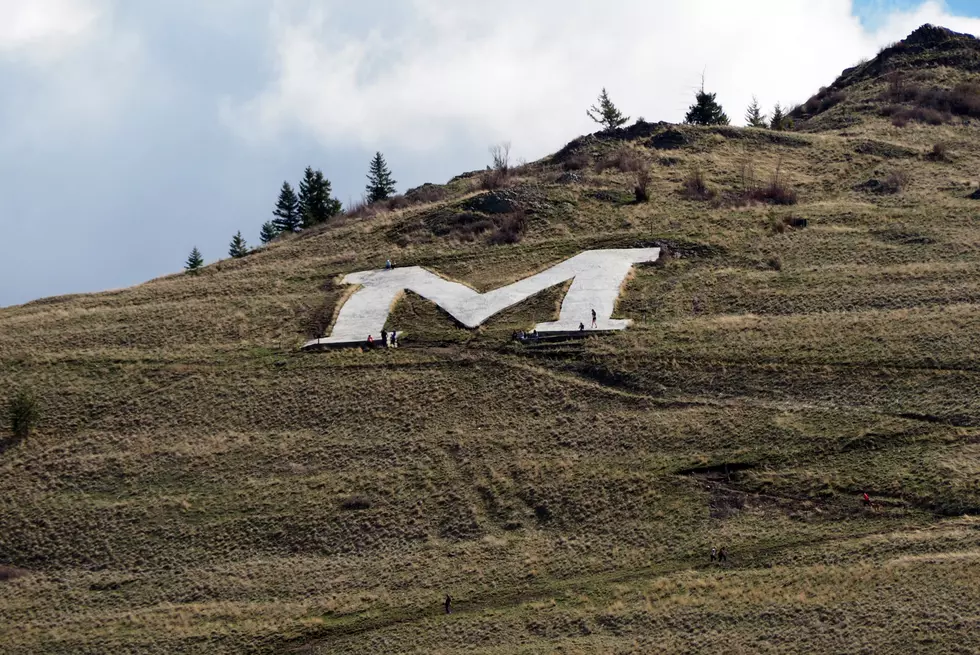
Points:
[(705, 111), (755, 118), (313, 205)]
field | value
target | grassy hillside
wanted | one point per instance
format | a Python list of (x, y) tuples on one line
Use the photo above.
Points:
[(199, 485)]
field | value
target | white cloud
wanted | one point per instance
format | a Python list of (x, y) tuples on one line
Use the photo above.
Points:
[(71, 67), (526, 71), (899, 24), (45, 29)]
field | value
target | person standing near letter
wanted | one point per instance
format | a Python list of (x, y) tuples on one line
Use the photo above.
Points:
[(593, 319)]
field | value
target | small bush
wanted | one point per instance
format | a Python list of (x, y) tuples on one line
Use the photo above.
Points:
[(776, 191), (896, 182), (821, 102), (931, 105), (356, 503), (625, 159), (641, 185), (500, 154), (696, 187), (362, 209), (425, 194), (775, 263), (397, 202), (494, 178), (939, 152), (578, 161), (23, 413), (510, 229), (497, 174), (901, 115), (468, 225), (964, 100)]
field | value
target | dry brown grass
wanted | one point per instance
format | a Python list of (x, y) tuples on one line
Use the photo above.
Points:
[(198, 485)]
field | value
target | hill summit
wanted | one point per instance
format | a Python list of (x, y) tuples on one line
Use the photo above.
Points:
[(930, 77), (779, 454), (925, 48)]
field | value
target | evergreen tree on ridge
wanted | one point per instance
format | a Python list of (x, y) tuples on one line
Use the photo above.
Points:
[(381, 185), (316, 206), (754, 116), (268, 232), (287, 216), (606, 113), (706, 110), (238, 248), (194, 261)]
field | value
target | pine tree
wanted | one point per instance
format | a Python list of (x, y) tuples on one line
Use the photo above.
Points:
[(754, 116), (268, 232), (308, 197), (194, 261), (778, 120), (315, 204), (238, 247), (287, 210), (380, 183), (606, 113), (706, 110)]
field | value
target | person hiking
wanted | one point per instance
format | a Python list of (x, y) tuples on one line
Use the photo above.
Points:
[(370, 341), (393, 339), (388, 265), (867, 499), (384, 339), (714, 554), (593, 318), (723, 555), (581, 327), (449, 604)]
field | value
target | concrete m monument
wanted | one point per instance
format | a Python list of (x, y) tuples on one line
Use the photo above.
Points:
[(597, 278)]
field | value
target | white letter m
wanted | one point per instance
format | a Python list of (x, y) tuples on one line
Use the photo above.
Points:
[(597, 278)]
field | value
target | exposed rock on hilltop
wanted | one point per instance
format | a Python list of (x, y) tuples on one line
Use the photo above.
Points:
[(926, 47), (929, 77)]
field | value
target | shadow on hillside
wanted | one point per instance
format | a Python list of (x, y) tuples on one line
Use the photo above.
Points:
[(6, 443)]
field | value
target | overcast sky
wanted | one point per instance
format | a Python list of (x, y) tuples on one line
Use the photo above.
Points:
[(132, 130)]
